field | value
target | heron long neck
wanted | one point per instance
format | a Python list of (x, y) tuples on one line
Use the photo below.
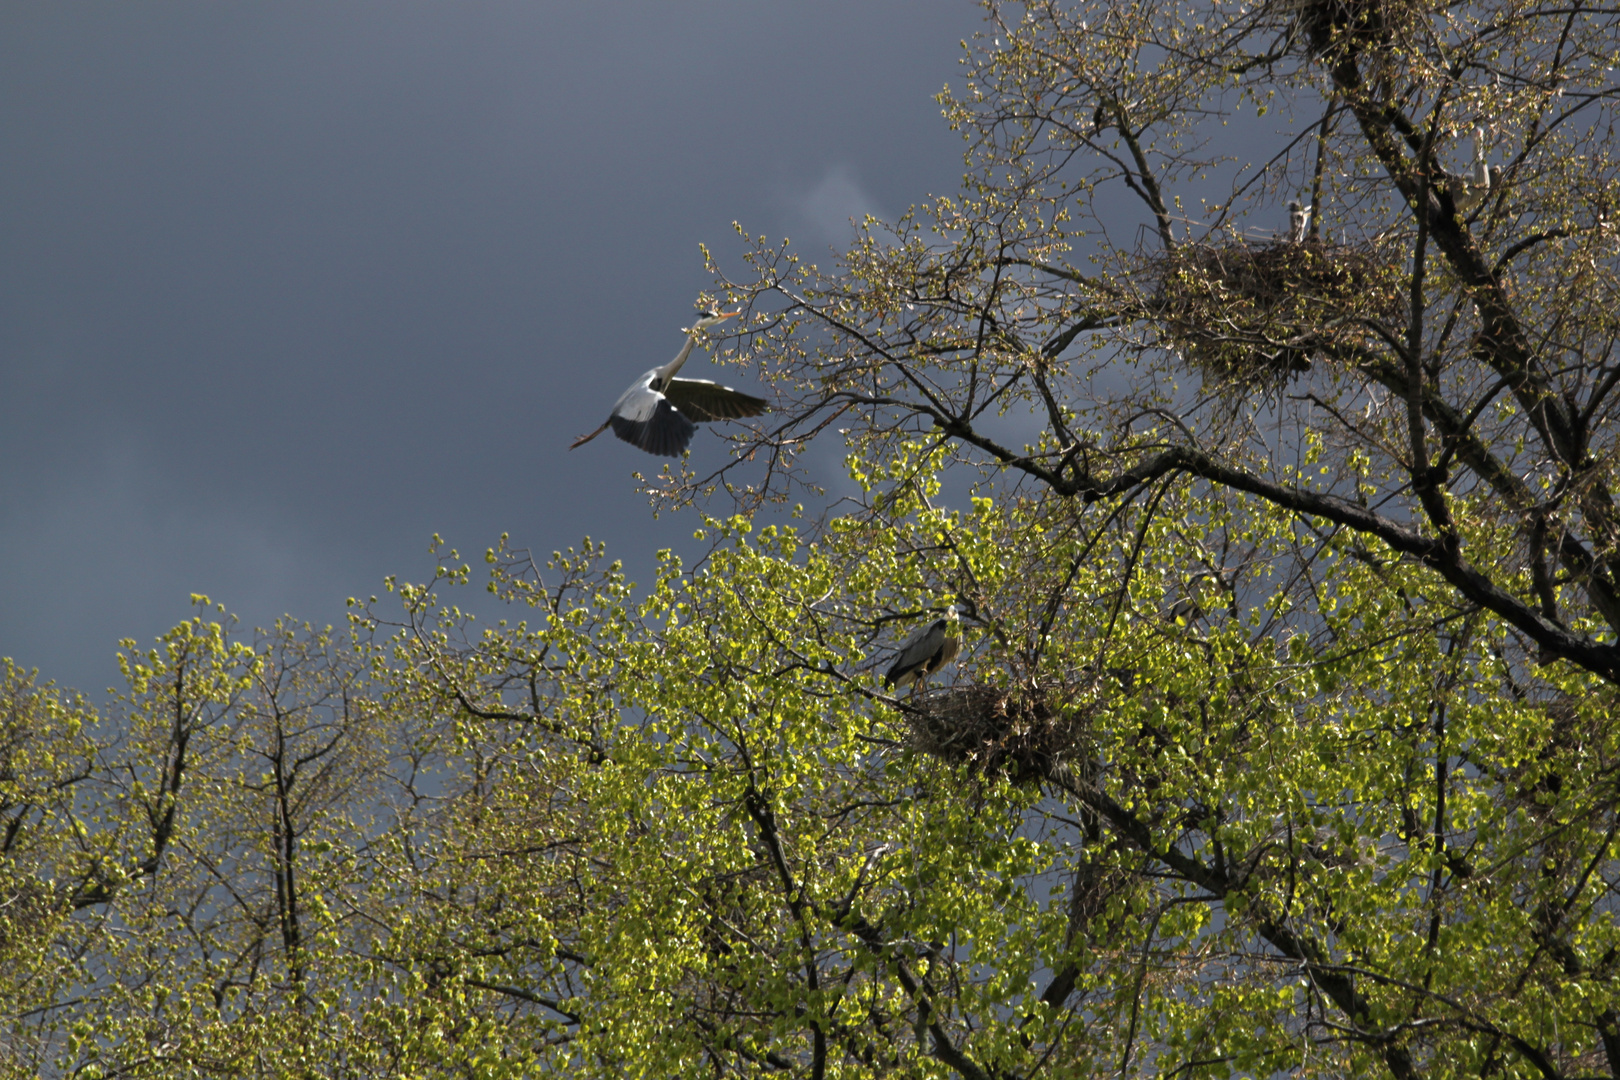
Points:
[(667, 372), (1482, 173)]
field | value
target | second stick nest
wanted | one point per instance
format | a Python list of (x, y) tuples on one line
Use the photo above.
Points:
[(1022, 733), (1252, 314)]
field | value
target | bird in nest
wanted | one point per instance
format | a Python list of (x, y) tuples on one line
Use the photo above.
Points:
[(926, 651), (1299, 221), (1468, 190)]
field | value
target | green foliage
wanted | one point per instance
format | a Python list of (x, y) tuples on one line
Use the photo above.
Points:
[(655, 835)]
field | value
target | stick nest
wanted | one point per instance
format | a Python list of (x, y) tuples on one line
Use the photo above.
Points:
[(1333, 28), (1252, 314), (998, 731)]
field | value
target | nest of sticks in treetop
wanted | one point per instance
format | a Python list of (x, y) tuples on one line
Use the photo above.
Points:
[(997, 731), (1252, 314), (1331, 27)]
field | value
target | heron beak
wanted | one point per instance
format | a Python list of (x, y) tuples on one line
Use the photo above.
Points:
[(710, 320)]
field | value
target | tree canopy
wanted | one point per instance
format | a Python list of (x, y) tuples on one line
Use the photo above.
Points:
[(1281, 738)]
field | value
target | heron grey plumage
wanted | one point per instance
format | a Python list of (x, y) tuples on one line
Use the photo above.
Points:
[(659, 412), (1469, 190), (1299, 221), (926, 651)]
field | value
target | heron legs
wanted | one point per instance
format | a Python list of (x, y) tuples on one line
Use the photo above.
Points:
[(583, 439)]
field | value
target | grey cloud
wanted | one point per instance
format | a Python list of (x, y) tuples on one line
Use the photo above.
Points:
[(285, 288), (112, 547), (830, 210)]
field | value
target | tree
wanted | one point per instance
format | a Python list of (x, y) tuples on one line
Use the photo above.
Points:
[(1449, 372), (1280, 744), (1153, 828), (1150, 827), (45, 754), (185, 867), (1418, 390)]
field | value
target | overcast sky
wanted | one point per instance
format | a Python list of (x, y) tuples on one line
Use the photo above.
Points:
[(286, 288)]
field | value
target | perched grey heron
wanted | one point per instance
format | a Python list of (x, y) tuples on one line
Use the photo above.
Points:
[(659, 412), (928, 650), (1299, 221), (1470, 189)]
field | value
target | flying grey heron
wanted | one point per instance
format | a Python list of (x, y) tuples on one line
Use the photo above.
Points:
[(659, 412), (1299, 221), (928, 650)]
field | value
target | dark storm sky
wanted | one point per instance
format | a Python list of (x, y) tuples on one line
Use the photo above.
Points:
[(287, 287)]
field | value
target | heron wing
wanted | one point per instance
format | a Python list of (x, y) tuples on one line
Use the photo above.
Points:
[(916, 653), (640, 401), (947, 650), (647, 420), (704, 400)]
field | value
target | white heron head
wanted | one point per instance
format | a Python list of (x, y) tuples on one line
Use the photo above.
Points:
[(952, 613), (714, 318)]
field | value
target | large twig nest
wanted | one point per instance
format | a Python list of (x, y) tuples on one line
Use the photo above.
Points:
[(1331, 27), (1255, 313), (1017, 732)]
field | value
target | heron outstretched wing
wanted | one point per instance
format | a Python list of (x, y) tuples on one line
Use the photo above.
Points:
[(704, 400), (664, 431)]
